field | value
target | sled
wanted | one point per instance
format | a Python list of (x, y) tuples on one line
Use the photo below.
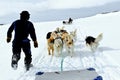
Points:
[(86, 74)]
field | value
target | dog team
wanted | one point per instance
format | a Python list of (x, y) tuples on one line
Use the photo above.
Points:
[(70, 20), (59, 39)]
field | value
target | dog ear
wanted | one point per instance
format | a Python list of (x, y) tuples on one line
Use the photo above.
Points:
[(75, 31), (63, 27)]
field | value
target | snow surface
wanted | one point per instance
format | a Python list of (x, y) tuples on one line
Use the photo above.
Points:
[(105, 60)]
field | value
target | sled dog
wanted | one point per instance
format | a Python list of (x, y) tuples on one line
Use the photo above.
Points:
[(69, 44), (58, 46), (93, 42), (68, 22), (50, 42)]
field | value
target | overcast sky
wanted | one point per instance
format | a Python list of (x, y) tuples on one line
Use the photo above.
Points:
[(8, 7)]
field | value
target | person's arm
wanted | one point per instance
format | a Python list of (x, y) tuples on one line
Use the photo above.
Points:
[(33, 35), (9, 32)]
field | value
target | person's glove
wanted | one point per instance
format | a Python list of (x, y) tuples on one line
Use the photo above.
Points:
[(8, 39), (35, 44)]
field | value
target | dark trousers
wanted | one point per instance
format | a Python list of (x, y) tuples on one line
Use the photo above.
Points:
[(25, 46)]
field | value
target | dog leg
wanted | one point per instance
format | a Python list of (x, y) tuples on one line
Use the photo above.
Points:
[(94, 47), (72, 52), (49, 51), (52, 51)]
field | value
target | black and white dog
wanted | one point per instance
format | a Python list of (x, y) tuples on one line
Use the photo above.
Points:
[(68, 22), (93, 42)]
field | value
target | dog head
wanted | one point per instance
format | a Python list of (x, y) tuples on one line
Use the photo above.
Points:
[(58, 42), (68, 41), (73, 34), (58, 29), (89, 40)]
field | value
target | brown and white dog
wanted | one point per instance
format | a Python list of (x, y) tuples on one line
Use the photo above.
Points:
[(92, 42), (54, 42), (50, 42), (69, 45), (68, 40)]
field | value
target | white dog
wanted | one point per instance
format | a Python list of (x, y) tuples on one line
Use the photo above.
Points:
[(58, 46), (92, 42)]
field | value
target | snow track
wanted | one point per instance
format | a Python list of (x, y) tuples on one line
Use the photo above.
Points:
[(82, 59), (105, 60)]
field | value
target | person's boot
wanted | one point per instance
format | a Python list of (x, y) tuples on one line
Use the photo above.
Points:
[(14, 63), (27, 62), (27, 66)]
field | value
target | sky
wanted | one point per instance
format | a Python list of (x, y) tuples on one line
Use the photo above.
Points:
[(59, 4), (39, 9), (13, 6)]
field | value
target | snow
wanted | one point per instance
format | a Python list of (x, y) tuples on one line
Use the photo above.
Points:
[(105, 60)]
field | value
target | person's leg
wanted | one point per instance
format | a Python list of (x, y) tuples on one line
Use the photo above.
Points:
[(28, 57), (16, 55)]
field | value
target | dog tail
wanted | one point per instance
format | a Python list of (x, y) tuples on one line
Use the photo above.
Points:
[(48, 35), (99, 37)]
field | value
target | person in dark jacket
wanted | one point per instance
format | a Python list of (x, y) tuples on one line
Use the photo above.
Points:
[(22, 28)]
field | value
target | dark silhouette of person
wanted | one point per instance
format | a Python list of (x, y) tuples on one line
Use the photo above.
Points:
[(22, 28)]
